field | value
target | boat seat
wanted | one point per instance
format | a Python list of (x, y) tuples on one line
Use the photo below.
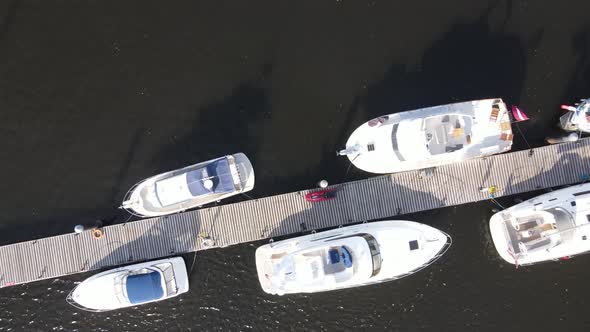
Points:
[(334, 256), (494, 114), (506, 137)]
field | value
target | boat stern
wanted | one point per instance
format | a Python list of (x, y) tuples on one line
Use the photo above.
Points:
[(180, 274), (501, 238), (244, 170), (264, 268)]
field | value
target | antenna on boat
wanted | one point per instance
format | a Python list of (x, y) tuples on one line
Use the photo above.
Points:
[(350, 164)]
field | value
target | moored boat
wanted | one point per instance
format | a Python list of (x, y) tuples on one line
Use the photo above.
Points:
[(349, 256), (131, 285), (431, 136), (191, 186), (548, 227)]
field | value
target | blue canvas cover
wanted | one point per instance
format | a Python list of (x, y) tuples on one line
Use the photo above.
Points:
[(145, 287), (346, 257), (217, 171)]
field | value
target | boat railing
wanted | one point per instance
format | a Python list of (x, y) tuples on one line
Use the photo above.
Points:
[(126, 199), (440, 253), (70, 301), (557, 238)]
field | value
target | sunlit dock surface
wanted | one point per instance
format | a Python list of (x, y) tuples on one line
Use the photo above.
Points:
[(251, 220)]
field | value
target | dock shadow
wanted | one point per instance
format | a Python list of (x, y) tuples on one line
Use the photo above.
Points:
[(573, 168), (351, 206), (222, 127), (151, 239), (471, 61)]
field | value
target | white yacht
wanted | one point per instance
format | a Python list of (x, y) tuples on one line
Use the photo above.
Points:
[(191, 186), (131, 285), (430, 137), (577, 118), (348, 256), (547, 227)]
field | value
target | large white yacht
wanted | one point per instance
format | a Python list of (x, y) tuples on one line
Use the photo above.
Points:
[(547, 227), (348, 256), (577, 118), (191, 186), (430, 137), (131, 285)]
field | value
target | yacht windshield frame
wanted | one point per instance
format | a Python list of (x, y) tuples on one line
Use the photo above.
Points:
[(394, 144), (373, 248)]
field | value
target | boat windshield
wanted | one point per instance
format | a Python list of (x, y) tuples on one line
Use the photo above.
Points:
[(144, 287), (447, 133), (213, 178), (394, 142), (375, 254)]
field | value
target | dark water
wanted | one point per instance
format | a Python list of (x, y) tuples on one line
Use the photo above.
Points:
[(97, 95)]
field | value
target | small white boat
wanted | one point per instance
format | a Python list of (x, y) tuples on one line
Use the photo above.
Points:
[(348, 257), (190, 187), (548, 227), (131, 285), (431, 137), (577, 118)]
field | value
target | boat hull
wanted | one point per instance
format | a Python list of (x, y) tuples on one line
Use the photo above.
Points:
[(142, 200), (393, 238), (98, 293), (412, 140), (556, 223)]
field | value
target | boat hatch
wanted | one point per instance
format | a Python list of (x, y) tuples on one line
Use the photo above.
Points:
[(371, 147), (414, 245)]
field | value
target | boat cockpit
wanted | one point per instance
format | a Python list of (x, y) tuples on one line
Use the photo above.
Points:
[(543, 230), (447, 133), (341, 260)]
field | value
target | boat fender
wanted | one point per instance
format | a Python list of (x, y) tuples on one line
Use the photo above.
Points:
[(572, 137), (97, 233)]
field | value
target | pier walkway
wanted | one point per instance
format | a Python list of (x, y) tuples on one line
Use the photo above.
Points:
[(373, 198)]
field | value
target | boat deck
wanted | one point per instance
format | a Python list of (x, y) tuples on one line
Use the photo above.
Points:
[(373, 198)]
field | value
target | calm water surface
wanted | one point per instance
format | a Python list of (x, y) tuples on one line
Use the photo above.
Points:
[(95, 96)]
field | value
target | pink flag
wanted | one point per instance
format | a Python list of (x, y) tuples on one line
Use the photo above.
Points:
[(518, 114), (568, 108)]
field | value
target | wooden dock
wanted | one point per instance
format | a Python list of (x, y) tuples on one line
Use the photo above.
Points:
[(374, 198)]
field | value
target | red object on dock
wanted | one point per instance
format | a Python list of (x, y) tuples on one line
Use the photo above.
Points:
[(322, 195)]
